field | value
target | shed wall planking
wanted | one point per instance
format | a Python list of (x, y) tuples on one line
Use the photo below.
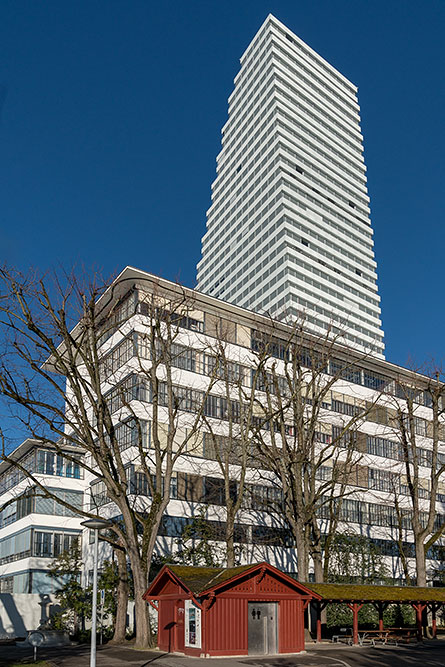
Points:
[(227, 626)]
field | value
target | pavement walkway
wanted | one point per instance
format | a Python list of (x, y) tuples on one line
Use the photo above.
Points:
[(431, 654)]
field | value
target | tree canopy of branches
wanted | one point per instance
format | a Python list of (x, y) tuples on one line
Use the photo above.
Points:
[(423, 468), (295, 439), (65, 371)]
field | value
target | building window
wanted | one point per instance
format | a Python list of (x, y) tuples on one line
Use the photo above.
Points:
[(51, 545), (15, 547), (132, 433), (224, 369), (382, 480), (51, 463), (6, 584)]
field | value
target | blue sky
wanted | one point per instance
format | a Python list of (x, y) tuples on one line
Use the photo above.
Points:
[(110, 124)]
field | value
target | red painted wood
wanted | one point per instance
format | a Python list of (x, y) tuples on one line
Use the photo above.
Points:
[(166, 625), (380, 610), (355, 607), (227, 626), (419, 607), (224, 621), (288, 629), (179, 626)]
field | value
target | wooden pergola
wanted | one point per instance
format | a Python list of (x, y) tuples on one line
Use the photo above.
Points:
[(355, 596)]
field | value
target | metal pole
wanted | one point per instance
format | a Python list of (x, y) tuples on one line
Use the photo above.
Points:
[(101, 616), (94, 612)]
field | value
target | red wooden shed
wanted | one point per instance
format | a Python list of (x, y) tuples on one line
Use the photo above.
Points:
[(251, 609)]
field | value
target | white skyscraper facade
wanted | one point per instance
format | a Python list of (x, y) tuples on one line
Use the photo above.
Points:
[(289, 230)]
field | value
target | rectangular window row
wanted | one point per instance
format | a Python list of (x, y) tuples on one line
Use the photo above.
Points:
[(32, 502), (33, 542), (44, 462)]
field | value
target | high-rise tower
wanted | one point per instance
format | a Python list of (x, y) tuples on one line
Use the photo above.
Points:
[(288, 231)]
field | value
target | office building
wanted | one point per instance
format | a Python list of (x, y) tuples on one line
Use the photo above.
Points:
[(197, 482), (289, 231), (33, 529)]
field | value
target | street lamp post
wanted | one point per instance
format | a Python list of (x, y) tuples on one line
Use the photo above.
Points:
[(96, 525)]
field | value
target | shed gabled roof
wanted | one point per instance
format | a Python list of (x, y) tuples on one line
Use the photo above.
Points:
[(370, 593), (201, 580)]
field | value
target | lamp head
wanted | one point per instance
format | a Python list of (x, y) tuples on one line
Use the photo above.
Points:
[(96, 524)]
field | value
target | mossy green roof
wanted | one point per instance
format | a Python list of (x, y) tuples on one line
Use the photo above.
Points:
[(199, 579), (362, 592)]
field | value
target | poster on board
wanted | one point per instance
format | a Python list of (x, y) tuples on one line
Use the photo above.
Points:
[(192, 625)]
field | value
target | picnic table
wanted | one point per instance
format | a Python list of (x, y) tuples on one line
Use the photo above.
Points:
[(381, 636), (345, 635), (385, 636), (405, 633)]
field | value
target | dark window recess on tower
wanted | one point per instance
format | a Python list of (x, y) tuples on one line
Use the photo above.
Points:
[(291, 39), (304, 242), (238, 169), (299, 169), (351, 203), (358, 272)]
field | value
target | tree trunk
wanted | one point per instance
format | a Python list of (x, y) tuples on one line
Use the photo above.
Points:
[(317, 552), (120, 623), (142, 620), (230, 546), (327, 558), (420, 563), (302, 556), (143, 631), (318, 566)]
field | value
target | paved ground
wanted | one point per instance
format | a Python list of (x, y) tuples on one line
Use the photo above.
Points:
[(429, 654)]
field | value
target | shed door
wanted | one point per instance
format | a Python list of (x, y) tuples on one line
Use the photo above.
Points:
[(179, 626), (262, 628)]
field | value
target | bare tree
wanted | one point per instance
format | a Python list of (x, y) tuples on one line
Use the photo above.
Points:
[(423, 466), (312, 459), (401, 521), (232, 450), (95, 366)]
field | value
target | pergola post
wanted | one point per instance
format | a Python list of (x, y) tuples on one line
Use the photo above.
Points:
[(380, 607), (419, 607), (434, 608), (318, 610), (319, 606), (355, 607)]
